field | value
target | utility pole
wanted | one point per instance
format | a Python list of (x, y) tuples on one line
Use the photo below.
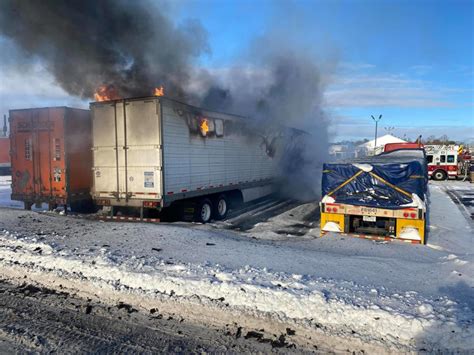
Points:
[(5, 129), (376, 120)]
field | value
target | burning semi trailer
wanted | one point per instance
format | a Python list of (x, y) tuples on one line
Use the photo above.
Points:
[(51, 157), (154, 152)]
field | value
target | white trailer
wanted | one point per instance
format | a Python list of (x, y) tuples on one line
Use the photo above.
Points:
[(151, 152)]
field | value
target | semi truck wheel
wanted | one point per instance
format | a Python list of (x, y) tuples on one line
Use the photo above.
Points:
[(220, 207), (439, 175), (203, 211)]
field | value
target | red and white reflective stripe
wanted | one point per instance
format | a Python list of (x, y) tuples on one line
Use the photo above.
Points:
[(374, 237), (132, 219)]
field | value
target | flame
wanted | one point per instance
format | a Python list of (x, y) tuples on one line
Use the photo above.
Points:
[(106, 93), (160, 91), (204, 126)]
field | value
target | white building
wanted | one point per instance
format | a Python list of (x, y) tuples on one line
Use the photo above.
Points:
[(369, 147)]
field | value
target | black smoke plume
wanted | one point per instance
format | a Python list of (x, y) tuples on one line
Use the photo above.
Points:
[(135, 47), (88, 43)]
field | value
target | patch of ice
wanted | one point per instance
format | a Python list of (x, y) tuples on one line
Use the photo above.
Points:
[(435, 247)]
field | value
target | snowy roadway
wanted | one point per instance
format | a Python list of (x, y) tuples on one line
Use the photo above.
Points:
[(462, 195), (334, 293), (34, 318)]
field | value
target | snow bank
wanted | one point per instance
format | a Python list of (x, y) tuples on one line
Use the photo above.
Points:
[(404, 322)]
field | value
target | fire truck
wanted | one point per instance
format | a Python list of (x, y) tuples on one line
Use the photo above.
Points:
[(447, 161)]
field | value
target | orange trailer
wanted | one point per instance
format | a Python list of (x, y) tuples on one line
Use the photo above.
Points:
[(4, 155), (51, 156)]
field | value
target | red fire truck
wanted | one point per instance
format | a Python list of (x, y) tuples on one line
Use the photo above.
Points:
[(447, 161)]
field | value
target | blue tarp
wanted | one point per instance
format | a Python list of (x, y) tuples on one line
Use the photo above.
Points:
[(407, 172)]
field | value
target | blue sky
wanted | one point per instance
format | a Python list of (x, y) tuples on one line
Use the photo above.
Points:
[(411, 61)]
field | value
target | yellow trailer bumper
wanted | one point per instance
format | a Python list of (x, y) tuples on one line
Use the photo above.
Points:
[(406, 229)]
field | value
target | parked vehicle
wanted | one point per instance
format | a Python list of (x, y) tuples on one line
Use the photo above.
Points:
[(154, 152), (390, 147), (51, 156), (380, 197), (443, 161)]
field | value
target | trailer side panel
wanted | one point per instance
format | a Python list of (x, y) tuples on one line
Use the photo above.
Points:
[(194, 162)]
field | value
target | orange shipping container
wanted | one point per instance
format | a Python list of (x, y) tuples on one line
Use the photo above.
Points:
[(4, 150), (51, 156), (4, 155)]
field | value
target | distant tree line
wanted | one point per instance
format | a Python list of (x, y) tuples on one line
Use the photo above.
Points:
[(444, 139)]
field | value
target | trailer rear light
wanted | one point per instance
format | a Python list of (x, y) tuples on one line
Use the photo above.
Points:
[(413, 215), (150, 204)]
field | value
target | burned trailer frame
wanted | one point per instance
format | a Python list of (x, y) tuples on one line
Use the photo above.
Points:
[(51, 157), (153, 152), (380, 197)]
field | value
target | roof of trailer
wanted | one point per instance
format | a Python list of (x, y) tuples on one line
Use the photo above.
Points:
[(202, 110)]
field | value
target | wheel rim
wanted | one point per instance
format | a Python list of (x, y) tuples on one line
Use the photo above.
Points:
[(222, 207), (205, 212)]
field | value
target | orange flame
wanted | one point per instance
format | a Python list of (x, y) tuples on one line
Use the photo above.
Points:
[(160, 91), (106, 93), (204, 126)]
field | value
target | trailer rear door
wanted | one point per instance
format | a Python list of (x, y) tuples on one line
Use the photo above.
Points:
[(38, 153), (127, 149)]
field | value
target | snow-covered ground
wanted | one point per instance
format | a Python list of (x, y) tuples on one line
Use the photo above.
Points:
[(346, 293), (5, 192)]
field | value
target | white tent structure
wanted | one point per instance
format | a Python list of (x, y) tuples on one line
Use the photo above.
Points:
[(369, 147)]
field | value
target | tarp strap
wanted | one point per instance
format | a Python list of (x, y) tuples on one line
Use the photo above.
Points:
[(374, 176), (391, 185), (346, 182)]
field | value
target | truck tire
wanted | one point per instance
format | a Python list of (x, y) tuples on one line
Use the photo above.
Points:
[(439, 175), (203, 211), (221, 206)]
